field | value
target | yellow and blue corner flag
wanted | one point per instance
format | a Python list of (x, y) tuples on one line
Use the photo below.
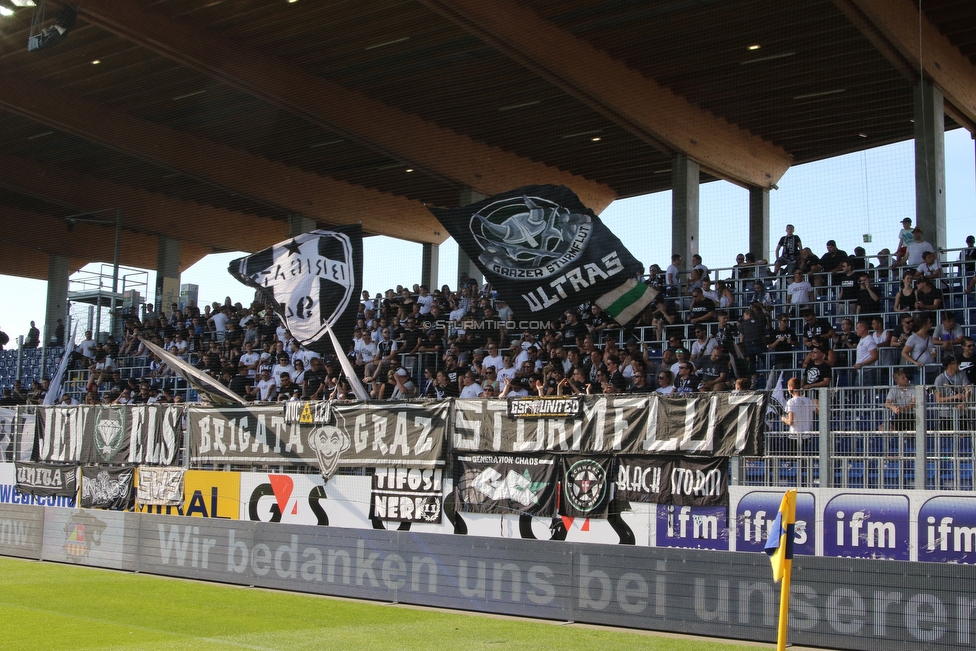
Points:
[(779, 544)]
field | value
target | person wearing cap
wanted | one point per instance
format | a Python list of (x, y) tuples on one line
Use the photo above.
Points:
[(915, 250), (904, 237)]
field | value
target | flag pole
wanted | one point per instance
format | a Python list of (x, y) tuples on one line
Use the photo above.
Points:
[(779, 547), (784, 608)]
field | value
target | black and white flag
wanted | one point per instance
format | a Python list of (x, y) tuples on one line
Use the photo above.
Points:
[(46, 479), (586, 486), (545, 252), (407, 495), (684, 481), (312, 281), (107, 488), (506, 484)]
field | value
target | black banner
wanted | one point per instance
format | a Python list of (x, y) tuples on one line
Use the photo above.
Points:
[(256, 434), (313, 282), (673, 480), (108, 488), (407, 495), (143, 434), (720, 424), (551, 407), (525, 485), (586, 486), (382, 434), (545, 252), (46, 479)]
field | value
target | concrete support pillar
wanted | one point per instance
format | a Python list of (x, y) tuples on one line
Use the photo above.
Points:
[(167, 274), (759, 223), (930, 203), (298, 224), (465, 265), (58, 273), (684, 208), (428, 272)]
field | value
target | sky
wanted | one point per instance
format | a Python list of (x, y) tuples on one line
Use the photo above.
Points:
[(858, 200)]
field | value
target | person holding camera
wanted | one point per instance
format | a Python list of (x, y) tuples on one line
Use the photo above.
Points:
[(868, 298)]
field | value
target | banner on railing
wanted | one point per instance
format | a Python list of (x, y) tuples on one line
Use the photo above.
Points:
[(160, 486), (407, 495), (142, 434), (16, 425), (507, 484), (256, 434), (719, 424), (383, 434), (47, 479), (682, 481), (107, 488)]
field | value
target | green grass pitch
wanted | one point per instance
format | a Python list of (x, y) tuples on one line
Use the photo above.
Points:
[(50, 606)]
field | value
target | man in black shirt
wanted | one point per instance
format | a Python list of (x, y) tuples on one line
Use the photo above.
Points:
[(832, 259), (868, 297), (239, 383), (817, 373), (702, 309), (814, 327), (714, 372), (967, 361), (787, 250), (314, 383)]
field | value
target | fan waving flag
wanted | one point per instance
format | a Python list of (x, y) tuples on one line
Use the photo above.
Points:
[(545, 252), (312, 281)]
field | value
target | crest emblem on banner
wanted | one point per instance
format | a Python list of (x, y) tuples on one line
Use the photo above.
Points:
[(586, 485), (529, 237), (109, 432), (311, 278)]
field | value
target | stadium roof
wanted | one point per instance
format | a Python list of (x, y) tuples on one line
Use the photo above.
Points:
[(212, 121)]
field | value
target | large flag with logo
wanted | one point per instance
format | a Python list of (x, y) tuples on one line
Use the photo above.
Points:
[(312, 281), (545, 252)]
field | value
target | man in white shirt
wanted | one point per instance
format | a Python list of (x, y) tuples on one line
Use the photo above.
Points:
[(671, 274), (219, 322), (366, 350), (800, 412), (493, 358), (264, 389), (88, 346), (800, 290), (251, 359), (867, 353), (915, 251), (425, 300), (471, 387)]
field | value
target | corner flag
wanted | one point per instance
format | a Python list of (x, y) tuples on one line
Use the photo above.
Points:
[(779, 546)]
